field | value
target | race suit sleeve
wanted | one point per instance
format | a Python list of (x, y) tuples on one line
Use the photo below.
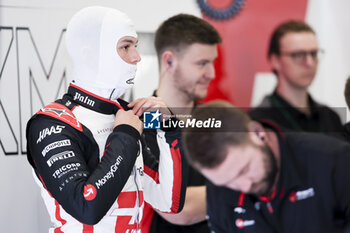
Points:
[(67, 163), (165, 170)]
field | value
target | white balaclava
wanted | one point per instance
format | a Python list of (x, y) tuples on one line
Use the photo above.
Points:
[(91, 39)]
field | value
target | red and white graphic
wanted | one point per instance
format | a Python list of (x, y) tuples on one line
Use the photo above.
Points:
[(90, 192), (62, 113), (301, 195), (127, 202), (240, 223), (293, 197)]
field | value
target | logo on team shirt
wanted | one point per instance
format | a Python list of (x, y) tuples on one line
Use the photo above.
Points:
[(140, 170), (55, 145), (70, 178), (48, 131), (66, 169), (240, 223), (257, 205), (239, 210), (110, 173), (151, 120), (60, 156), (68, 103), (90, 192), (301, 195), (105, 130)]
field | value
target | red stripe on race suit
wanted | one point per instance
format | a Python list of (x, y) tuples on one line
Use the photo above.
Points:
[(58, 217), (177, 170), (88, 228), (127, 200), (123, 224), (241, 199), (45, 186), (57, 212), (151, 173), (245, 39), (147, 216)]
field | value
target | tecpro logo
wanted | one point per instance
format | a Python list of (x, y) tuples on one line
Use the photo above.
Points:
[(151, 120)]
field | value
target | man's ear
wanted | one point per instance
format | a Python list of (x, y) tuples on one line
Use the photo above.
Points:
[(168, 58), (256, 132), (275, 62)]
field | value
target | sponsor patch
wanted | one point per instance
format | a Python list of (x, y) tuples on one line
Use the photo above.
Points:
[(90, 192), (60, 156), (141, 171), (110, 173), (84, 99), (48, 131), (106, 130), (55, 145), (65, 169), (70, 178), (301, 195), (240, 223)]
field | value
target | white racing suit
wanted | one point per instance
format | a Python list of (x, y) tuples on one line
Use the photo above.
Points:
[(95, 179)]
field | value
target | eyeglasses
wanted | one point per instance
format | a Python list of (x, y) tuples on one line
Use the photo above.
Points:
[(300, 56)]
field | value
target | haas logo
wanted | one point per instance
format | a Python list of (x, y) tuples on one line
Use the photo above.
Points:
[(89, 192)]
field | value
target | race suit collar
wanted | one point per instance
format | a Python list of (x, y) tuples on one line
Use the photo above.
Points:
[(92, 101)]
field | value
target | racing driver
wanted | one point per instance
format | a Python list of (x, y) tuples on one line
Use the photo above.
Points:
[(86, 148)]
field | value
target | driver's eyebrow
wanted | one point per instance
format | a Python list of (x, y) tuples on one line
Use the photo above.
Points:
[(130, 41)]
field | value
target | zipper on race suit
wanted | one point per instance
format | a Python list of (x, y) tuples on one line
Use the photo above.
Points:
[(137, 200)]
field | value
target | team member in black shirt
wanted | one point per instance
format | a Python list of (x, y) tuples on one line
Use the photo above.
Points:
[(267, 180), (294, 56)]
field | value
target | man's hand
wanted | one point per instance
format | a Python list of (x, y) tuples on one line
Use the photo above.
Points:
[(150, 104), (128, 118)]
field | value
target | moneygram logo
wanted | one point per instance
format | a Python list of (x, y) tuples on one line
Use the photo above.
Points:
[(110, 173), (89, 192)]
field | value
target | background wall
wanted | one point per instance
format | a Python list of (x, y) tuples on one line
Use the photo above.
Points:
[(35, 69)]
